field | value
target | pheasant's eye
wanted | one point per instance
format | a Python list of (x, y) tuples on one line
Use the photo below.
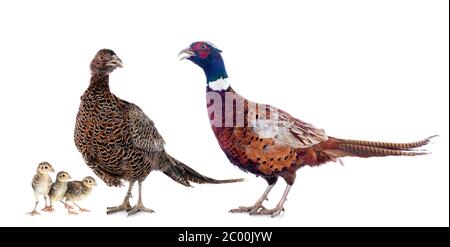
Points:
[(203, 47)]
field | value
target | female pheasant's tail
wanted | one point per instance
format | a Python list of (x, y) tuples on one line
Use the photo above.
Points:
[(365, 149), (183, 174)]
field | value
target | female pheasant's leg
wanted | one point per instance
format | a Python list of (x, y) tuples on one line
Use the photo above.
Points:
[(125, 206), (258, 205), (139, 206), (279, 208)]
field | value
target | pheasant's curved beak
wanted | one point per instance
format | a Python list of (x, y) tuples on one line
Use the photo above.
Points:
[(186, 53), (115, 62)]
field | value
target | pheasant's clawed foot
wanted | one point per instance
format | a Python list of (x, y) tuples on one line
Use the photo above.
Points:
[(47, 209), (139, 208), (72, 212), (272, 212), (84, 210), (125, 206), (251, 210), (33, 213)]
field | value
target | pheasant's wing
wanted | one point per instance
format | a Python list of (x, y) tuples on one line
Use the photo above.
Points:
[(268, 145), (74, 188), (143, 132), (35, 181), (285, 129)]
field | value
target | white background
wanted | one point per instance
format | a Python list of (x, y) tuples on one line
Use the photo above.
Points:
[(374, 70)]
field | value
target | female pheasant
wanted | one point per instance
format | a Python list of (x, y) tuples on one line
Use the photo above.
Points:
[(267, 141), (119, 142)]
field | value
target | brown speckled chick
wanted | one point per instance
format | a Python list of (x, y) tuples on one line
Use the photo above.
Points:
[(41, 184), (77, 191), (58, 189)]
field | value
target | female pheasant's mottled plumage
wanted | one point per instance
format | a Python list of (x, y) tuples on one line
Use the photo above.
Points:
[(267, 141), (117, 140)]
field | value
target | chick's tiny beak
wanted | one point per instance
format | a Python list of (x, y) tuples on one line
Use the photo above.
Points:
[(115, 62), (186, 53)]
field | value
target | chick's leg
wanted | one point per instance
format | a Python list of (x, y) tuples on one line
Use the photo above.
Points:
[(34, 212), (125, 206), (49, 208), (70, 208), (80, 208), (67, 205), (139, 206)]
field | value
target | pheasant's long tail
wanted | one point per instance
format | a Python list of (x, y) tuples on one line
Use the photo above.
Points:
[(342, 147), (183, 174)]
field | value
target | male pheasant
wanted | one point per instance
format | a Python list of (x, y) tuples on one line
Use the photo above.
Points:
[(119, 142), (267, 141)]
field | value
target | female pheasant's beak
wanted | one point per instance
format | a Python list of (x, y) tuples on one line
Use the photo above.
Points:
[(115, 62), (186, 53)]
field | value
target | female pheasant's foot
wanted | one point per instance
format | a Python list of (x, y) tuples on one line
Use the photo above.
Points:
[(272, 212), (251, 210), (125, 206), (33, 213), (139, 208)]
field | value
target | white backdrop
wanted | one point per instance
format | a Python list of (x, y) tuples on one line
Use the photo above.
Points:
[(375, 70)]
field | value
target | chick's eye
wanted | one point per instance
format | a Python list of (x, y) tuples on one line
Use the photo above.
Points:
[(63, 175), (45, 167)]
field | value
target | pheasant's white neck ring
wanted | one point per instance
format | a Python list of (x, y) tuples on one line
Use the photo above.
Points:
[(220, 84)]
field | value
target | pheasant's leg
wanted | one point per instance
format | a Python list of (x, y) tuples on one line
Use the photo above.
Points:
[(80, 208), (125, 206), (139, 206), (70, 209), (49, 208), (279, 208), (46, 204), (67, 205), (258, 205), (34, 212)]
